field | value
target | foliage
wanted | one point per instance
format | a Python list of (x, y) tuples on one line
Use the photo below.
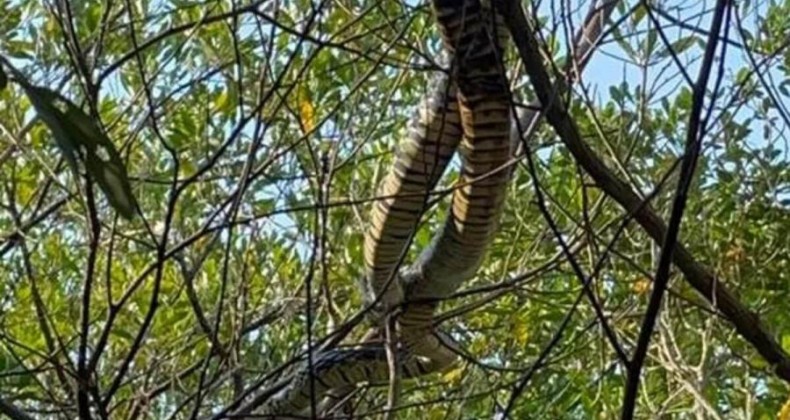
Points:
[(254, 135)]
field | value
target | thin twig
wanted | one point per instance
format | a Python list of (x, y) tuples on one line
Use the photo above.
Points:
[(693, 145)]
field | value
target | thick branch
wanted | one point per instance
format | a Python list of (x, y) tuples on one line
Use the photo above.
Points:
[(746, 323), (12, 411), (694, 137)]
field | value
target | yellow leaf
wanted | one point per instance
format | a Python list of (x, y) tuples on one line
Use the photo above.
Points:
[(437, 413), (784, 413), (306, 111), (521, 333), (453, 376), (641, 285), (222, 100), (478, 346), (51, 26), (736, 253)]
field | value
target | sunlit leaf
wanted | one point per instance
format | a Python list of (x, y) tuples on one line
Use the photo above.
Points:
[(234, 86), (306, 111), (784, 413), (454, 375), (641, 285)]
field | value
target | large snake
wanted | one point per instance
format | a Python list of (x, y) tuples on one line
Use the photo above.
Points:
[(469, 111), (421, 158), (337, 371), (475, 34)]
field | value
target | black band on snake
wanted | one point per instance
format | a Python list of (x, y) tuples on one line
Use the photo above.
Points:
[(469, 111)]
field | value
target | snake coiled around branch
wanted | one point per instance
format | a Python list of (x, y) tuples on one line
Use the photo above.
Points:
[(469, 111), (475, 34)]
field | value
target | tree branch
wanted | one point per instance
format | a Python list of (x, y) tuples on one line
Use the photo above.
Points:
[(694, 136), (12, 411), (746, 323)]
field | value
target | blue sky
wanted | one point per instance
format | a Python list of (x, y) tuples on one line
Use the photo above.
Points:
[(608, 67)]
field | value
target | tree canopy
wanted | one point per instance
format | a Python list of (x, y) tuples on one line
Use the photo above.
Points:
[(184, 188)]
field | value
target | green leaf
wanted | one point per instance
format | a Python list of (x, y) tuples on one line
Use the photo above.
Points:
[(3, 79), (678, 47), (683, 44), (786, 342), (122, 333), (78, 136), (639, 14), (44, 102), (650, 42), (684, 99)]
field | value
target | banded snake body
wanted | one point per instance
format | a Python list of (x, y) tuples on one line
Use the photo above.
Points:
[(468, 111)]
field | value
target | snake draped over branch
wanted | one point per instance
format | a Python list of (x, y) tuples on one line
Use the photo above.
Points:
[(467, 110)]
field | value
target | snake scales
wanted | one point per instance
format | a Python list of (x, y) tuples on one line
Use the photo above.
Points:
[(466, 111)]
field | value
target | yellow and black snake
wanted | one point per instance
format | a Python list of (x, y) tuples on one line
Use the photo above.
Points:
[(455, 254), (339, 368), (469, 111), (475, 34), (420, 160)]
